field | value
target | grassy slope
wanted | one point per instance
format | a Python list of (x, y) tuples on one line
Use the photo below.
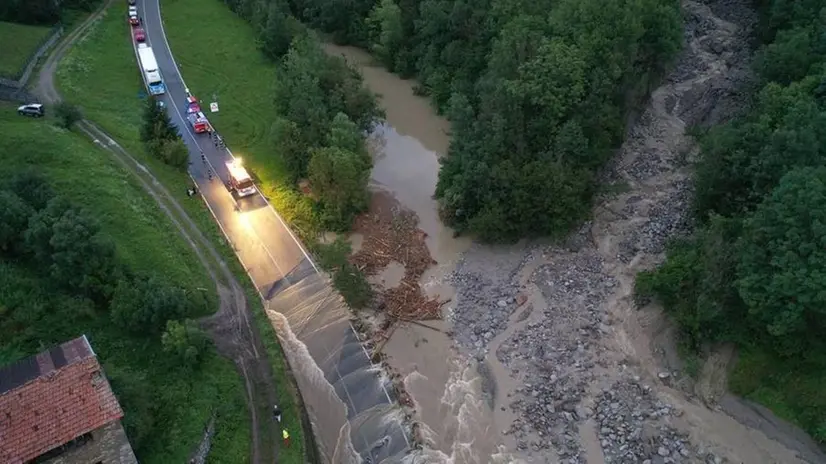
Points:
[(101, 75), (25, 38), (229, 66), (147, 241)]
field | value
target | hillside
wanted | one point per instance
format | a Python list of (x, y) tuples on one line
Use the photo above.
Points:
[(85, 251)]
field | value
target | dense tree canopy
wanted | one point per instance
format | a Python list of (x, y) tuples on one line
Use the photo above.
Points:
[(67, 241), (755, 271), (185, 341), (781, 266), (41, 12), (534, 89), (145, 304)]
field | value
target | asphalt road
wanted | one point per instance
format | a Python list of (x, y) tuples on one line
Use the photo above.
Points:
[(289, 282)]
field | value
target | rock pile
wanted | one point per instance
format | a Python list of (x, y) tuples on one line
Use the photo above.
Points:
[(488, 292), (633, 428)]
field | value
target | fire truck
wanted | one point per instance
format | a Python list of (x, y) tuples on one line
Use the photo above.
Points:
[(195, 116), (240, 183), (199, 122)]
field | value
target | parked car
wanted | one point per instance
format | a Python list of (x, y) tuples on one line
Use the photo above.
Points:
[(140, 35), (133, 10), (131, 2), (32, 109), (133, 20)]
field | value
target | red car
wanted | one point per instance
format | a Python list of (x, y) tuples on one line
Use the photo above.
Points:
[(134, 21), (140, 35)]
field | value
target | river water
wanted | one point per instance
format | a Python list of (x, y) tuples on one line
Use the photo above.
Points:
[(457, 424)]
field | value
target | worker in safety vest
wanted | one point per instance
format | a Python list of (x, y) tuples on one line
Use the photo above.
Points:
[(286, 435)]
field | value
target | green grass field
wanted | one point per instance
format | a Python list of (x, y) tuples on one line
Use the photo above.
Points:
[(26, 39), (229, 66), (181, 402), (100, 75)]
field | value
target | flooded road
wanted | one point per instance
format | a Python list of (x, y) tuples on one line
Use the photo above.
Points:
[(456, 420)]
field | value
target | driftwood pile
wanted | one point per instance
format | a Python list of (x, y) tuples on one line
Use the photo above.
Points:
[(391, 233)]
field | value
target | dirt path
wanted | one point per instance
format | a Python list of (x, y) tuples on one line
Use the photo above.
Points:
[(231, 329), (588, 376)]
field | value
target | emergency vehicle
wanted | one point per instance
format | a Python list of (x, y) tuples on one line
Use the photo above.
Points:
[(197, 119), (192, 105), (240, 183)]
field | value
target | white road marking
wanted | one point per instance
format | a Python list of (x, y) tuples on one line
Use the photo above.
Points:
[(269, 205)]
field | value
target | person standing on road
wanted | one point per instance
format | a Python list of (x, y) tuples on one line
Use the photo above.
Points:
[(276, 413)]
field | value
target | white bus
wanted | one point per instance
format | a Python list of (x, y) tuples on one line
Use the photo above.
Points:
[(151, 73)]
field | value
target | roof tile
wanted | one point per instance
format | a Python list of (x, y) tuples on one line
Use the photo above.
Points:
[(56, 407)]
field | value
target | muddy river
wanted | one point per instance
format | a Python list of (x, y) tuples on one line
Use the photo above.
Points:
[(573, 371), (457, 423)]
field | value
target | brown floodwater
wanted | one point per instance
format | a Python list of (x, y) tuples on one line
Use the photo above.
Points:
[(458, 424)]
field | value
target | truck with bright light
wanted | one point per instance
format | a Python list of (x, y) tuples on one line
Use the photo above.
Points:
[(151, 73), (240, 181)]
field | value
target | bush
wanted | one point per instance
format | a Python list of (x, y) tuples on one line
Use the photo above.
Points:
[(347, 279), (67, 114), (14, 220), (339, 179), (31, 186), (174, 153), (161, 136), (185, 341), (145, 304), (67, 241)]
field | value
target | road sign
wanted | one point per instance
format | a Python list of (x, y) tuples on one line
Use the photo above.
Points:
[(213, 107)]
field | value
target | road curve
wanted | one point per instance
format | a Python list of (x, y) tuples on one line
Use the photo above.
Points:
[(344, 393)]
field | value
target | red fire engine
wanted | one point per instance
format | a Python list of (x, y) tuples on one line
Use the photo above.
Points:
[(195, 116)]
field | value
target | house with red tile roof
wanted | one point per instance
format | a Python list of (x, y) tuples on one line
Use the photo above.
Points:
[(57, 408)]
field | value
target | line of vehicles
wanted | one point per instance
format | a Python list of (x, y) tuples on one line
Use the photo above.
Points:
[(240, 182)]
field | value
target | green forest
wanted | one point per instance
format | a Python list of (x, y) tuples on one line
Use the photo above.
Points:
[(538, 93), (42, 12), (754, 273)]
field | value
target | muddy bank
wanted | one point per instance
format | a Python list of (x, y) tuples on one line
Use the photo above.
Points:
[(588, 383), (548, 360)]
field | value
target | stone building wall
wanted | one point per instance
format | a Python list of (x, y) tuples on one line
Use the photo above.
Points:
[(109, 445)]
